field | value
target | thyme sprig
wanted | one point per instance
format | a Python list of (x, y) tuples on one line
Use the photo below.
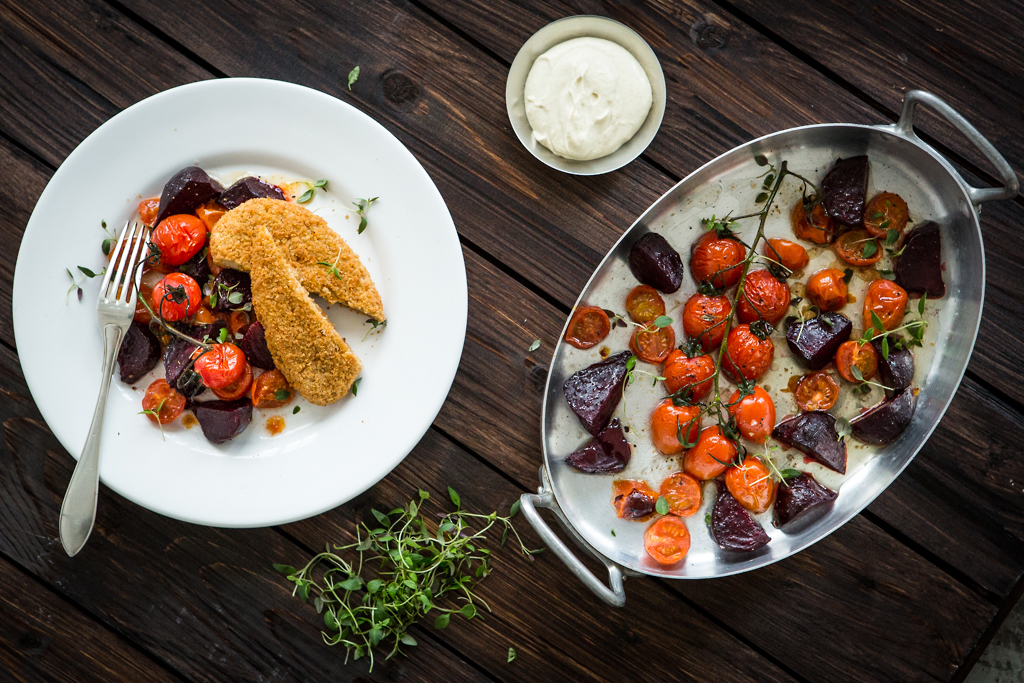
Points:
[(361, 206)]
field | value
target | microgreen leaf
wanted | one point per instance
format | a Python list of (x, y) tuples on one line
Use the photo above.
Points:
[(321, 184), (885, 347), (761, 197), (456, 501), (661, 506), (534, 346), (847, 275), (920, 305), (662, 321), (285, 569), (514, 509), (842, 428), (355, 386), (891, 237), (789, 473), (222, 336), (282, 395), (511, 655), (353, 76), (442, 621), (870, 249), (855, 371), (306, 196), (295, 410), (760, 160)]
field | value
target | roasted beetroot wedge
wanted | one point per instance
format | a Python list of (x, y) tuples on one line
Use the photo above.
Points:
[(232, 290), (844, 189), (254, 346), (814, 435), (606, 453), (248, 188), (814, 342), (895, 369), (798, 495), (881, 424), (139, 353), (187, 190), (222, 421), (594, 392), (732, 527), (919, 267), (654, 262)]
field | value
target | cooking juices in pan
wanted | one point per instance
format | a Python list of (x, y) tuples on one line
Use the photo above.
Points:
[(845, 333)]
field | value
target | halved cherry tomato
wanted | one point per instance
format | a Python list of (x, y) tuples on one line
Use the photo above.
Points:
[(238, 323), (237, 389), (704, 319), (645, 305), (164, 401), (142, 316), (790, 254), (695, 374), (858, 248), (683, 494), (176, 296), (816, 391), (271, 390), (653, 344), (587, 327), (148, 209), (888, 301), (204, 316), (667, 540), (852, 355), (751, 485), (221, 366), (210, 213), (765, 294), (887, 211), (747, 355), (754, 413), (711, 456), (816, 227), (179, 238), (670, 423), (633, 499), (827, 289), (717, 260)]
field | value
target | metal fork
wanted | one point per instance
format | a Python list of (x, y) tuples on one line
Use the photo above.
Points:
[(115, 310)]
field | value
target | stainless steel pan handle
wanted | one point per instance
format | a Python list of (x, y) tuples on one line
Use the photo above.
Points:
[(905, 127), (614, 594)]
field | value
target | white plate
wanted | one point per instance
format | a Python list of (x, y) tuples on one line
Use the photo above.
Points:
[(325, 456)]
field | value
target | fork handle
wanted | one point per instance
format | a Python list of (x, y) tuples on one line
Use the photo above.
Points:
[(78, 512)]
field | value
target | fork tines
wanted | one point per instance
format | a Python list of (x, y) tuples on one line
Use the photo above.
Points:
[(124, 260)]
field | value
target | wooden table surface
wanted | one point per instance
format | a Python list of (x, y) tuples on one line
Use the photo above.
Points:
[(911, 589)]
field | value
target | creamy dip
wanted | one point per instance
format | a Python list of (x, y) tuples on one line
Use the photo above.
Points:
[(586, 97)]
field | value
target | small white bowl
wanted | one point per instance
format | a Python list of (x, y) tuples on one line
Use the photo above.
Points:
[(578, 27)]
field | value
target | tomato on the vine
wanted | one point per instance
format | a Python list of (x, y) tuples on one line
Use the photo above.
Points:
[(645, 305), (888, 301), (717, 260), (747, 355), (711, 455), (652, 344), (176, 297), (790, 254), (754, 414), (682, 493), (887, 211), (827, 289), (667, 540), (858, 248), (696, 374), (815, 227), (751, 485), (221, 366), (587, 327), (763, 294), (271, 390), (238, 388), (816, 391), (670, 423), (179, 238), (853, 354), (162, 403), (704, 319)]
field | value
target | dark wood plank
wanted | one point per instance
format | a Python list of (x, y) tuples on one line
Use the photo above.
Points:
[(45, 638)]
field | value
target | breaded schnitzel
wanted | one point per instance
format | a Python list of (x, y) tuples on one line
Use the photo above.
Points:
[(307, 242), (305, 346)]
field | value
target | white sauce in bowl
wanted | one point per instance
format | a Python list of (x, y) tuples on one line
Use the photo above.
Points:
[(586, 97)]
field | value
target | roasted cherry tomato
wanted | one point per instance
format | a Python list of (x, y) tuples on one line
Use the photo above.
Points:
[(705, 318), (717, 260), (747, 355), (179, 238), (858, 248), (210, 213), (852, 355), (816, 227), (221, 366), (176, 297), (271, 390), (667, 540), (214, 268), (238, 323), (754, 413), (587, 327), (633, 499), (816, 391), (671, 425), (790, 254), (162, 403), (682, 493), (765, 294), (142, 316), (827, 289), (645, 305), (886, 212), (888, 301), (712, 454), (204, 316), (696, 374), (148, 210), (653, 344), (751, 485), (237, 389)]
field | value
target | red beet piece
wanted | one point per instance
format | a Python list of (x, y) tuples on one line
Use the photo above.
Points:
[(895, 372), (844, 189), (254, 346), (637, 505), (814, 342), (919, 267), (654, 262), (139, 353), (233, 289), (187, 190), (607, 452), (814, 434), (732, 527), (248, 188), (594, 392), (881, 424), (222, 421), (798, 495)]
